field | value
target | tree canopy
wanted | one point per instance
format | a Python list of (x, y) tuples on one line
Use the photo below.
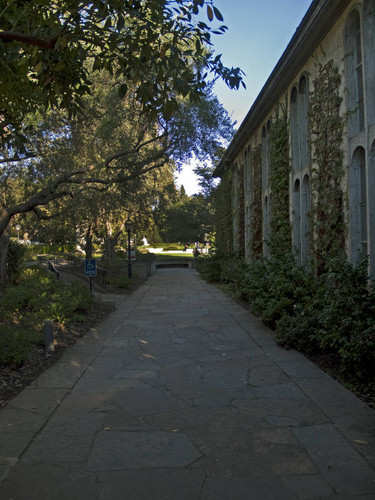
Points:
[(49, 49)]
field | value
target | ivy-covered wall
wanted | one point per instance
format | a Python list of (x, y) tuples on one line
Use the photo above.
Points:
[(317, 199), (241, 212), (281, 236), (326, 135), (256, 211), (327, 210), (224, 215)]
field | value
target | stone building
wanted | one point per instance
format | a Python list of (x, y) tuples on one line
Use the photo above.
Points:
[(323, 90)]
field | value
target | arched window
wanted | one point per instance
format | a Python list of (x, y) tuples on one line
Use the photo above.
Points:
[(296, 221), (303, 122), (354, 74), (358, 205), (369, 57), (294, 129), (299, 125)]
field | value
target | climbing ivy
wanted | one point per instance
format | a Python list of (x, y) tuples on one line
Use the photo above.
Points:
[(224, 215), (256, 217), (326, 129), (240, 251), (281, 240)]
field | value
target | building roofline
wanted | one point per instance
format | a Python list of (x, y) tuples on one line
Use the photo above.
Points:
[(319, 18)]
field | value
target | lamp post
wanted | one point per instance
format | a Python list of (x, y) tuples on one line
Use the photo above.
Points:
[(18, 229), (128, 227)]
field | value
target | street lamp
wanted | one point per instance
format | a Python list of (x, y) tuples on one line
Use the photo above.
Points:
[(18, 229), (128, 227)]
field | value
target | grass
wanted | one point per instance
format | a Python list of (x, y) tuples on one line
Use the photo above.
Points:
[(173, 256)]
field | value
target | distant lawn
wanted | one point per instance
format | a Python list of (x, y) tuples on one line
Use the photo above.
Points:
[(174, 256)]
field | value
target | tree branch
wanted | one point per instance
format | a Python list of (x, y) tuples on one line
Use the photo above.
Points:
[(9, 36), (123, 153), (142, 172), (41, 215)]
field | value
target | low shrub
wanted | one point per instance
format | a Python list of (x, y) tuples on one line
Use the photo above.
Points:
[(16, 256), (38, 296), (16, 344), (27, 303), (300, 331), (210, 267)]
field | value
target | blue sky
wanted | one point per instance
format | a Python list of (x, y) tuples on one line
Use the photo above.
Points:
[(258, 33)]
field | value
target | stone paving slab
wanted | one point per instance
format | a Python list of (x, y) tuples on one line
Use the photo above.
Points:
[(182, 394)]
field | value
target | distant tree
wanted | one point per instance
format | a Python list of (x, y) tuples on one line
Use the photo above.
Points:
[(188, 219), (206, 181), (183, 194)]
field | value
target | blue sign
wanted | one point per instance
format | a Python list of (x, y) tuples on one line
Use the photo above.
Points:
[(90, 268)]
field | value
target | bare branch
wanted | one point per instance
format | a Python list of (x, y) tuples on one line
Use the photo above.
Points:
[(123, 153), (142, 172)]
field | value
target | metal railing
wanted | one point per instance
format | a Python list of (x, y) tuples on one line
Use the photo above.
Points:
[(101, 278), (53, 269)]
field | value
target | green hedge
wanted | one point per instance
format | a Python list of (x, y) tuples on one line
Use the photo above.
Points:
[(50, 249), (334, 313), (172, 246)]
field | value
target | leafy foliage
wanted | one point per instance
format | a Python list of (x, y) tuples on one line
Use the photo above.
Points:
[(281, 241), (46, 47), (16, 255), (186, 219), (327, 125), (200, 130), (16, 344), (37, 296), (224, 216), (256, 221)]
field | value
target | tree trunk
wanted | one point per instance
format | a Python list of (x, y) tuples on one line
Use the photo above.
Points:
[(4, 245), (88, 244), (109, 248), (109, 242)]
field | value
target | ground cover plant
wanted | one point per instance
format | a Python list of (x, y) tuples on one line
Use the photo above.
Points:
[(330, 317), (31, 298)]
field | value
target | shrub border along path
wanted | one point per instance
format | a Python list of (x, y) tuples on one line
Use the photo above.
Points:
[(364, 390), (12, 381)]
